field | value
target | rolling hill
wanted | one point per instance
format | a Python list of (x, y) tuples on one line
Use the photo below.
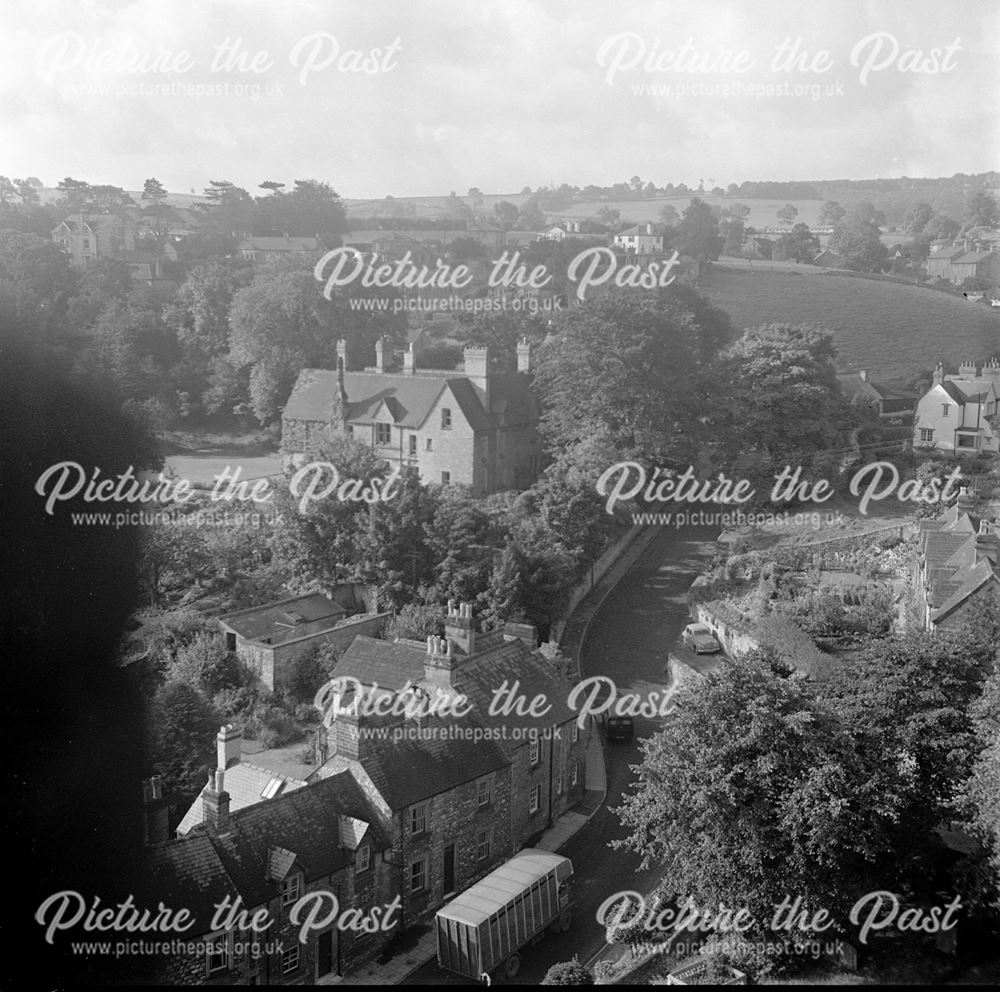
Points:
[(891, 329)]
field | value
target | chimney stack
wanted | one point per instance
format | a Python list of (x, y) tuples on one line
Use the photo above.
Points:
[(342, 352), (155, 812), (969, 369), (227, 745), (938, 374), (409, 360), (523, 356), (477, 371), (459, 627), (380, 355), (863, 375), (440, 662), (215, 803)]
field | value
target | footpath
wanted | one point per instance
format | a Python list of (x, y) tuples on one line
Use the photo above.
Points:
[(399, 967)]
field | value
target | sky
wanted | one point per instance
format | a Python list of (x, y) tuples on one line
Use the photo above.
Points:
[(430, 96)]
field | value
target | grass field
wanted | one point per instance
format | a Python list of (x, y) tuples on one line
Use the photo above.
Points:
[(892, 330)]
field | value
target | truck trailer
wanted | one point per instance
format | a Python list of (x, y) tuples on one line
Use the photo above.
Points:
[(483, 930)]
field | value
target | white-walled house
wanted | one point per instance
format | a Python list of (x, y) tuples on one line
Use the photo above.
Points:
[(960, 412)]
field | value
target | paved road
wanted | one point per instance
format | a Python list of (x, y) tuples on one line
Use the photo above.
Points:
[(628, 640)]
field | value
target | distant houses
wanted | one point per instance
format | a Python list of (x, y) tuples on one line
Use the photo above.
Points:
[(639, 239), (262, 249), (960, 413), (962, 260)]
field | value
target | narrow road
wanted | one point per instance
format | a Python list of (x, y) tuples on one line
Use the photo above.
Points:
[(628, 640)]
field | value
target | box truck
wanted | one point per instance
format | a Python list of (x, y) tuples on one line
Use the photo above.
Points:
[(483, 930)]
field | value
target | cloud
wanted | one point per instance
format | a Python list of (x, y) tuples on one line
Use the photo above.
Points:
[(383, 98)]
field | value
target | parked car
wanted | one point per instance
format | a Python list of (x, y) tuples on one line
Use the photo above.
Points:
[(618, 729), (700, 639)]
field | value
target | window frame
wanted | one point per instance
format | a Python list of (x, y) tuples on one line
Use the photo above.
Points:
[(484, 838), (383, 430), (227, 954), (927, 434), (534, 752), (535, 800), (291, 882), (446, 418), (358, 867), (419, 811), (487, 781), (291, 953), (422, 862)]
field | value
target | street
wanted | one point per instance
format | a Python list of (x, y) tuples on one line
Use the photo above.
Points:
[(628, 640)]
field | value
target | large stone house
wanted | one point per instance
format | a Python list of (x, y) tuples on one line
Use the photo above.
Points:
[(960, 413), (268, 857), (477, 427), (958, 563), (87, 237)]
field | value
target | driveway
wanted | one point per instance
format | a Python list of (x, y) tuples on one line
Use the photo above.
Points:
[(627, 640)]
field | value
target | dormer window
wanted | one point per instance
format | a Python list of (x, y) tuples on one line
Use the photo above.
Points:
[(291, 889)]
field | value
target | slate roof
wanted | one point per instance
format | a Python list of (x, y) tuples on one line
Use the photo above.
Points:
[(957, 561), (278, 244), (971, 257), (388, 664), (408, 771), (260, 846), (187, 874), (245, 784), (281, 621), (410, 398)]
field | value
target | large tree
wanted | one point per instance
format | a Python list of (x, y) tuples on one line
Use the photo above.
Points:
[(281, 323), (697, 234), (799, 245), (776, 393), (623, 366), (754, 790), (860, 246)]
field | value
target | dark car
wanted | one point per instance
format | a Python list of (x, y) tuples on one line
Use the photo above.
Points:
[(699, 638), (618, 729)]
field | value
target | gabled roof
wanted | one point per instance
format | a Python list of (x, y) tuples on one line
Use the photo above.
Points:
[(971, 257), (638, 229), (281, 621), (388, 664), (278, 244), (246, 784)]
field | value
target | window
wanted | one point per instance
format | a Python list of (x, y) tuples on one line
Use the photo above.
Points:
[(291, 889), (230, 641), (430, 444), (413, 444), (445, 478), (290, 959), (535, 800), (445, 419), (966, 440), (418, 818), (945, 407), (484, 844), (926, 434), (560, 782), (383, 433), (217, 953), (418, 875), (576, 732), (576, 774), (534, 751), (484, 792), (363, 859)]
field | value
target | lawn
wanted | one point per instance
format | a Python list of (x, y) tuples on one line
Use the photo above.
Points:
[(891, 329)]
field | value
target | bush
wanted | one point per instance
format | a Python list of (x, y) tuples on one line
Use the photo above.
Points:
[(568, 973)]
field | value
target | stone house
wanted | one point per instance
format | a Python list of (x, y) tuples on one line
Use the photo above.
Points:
[(260, 249), (324, 839), (640, 239), (477, 427), (960, 413), (461, 793), (958, 562), (270, 639), (87, 237)]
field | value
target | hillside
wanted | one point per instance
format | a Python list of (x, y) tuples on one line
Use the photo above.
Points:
[(891, 329)]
